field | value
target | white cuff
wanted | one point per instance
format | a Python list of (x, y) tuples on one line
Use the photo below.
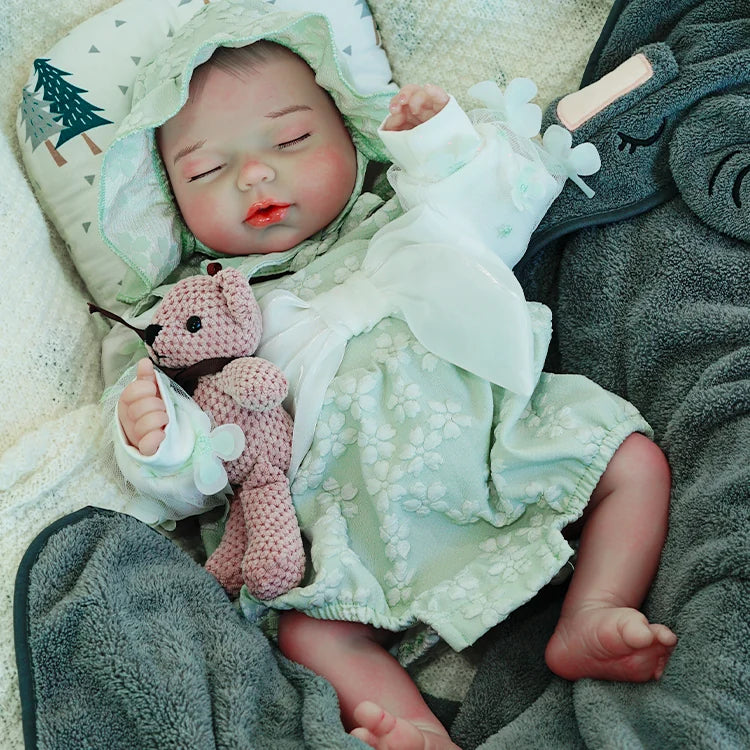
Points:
[(437, 147)]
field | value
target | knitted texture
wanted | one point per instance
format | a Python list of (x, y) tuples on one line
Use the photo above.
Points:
[(457, 43), (204, 317)]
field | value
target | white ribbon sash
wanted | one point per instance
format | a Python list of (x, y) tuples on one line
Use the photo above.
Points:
[(461, 303)]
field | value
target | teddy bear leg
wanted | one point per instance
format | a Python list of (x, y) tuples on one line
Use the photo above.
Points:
[(274, 561), (225, 564)]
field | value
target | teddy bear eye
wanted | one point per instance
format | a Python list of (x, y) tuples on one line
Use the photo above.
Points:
[(193, 324)]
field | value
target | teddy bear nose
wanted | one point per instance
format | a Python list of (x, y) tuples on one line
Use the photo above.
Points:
[(152, 331)]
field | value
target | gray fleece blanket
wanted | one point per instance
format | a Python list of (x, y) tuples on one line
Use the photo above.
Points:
[(123, 641)]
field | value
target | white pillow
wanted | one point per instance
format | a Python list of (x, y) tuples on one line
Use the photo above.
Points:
[(87, 79)]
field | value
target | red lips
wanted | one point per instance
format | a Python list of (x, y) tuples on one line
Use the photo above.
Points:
[(267, 212)]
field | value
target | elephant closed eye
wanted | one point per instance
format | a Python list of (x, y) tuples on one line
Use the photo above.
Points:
[(633, 143)]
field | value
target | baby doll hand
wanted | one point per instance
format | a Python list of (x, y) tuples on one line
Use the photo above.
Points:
[(141, 410), (414, 105)]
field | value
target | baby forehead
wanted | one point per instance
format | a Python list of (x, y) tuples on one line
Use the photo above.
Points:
[(269, 87)]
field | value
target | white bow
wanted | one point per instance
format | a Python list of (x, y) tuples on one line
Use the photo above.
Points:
[(461, 303)]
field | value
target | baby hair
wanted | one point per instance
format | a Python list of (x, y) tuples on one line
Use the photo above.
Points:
[(238, 60)]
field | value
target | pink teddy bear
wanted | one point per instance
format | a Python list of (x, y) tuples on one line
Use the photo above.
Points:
[(216, 318)]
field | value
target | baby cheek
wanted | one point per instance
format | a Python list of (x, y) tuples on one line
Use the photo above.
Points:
[(204, 219), (332, 174)]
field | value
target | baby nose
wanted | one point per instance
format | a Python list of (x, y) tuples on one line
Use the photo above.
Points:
[(253, 173)]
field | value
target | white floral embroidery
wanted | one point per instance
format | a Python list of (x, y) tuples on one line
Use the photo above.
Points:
[(351, 264), (403, 400), (548, 421), (423, 499), (302, 284), (493, 547), (399, 578), (467, 513), (326, 588), (331, 436), (429, 360), (310, 474), (375, 441), (486, 609), (355, 394), (464, 586), (591, 438), (497, 467), (395, 533), (447, 417), (548, 555), (391, 350), (343, 496), (382, 485), (420, 451), (513, 563)]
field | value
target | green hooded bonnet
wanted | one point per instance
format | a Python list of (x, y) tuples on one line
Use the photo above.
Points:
[(138, 217)]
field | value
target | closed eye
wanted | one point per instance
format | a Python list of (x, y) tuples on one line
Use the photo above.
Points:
[(634, 143), (203, 174), (293, 142)]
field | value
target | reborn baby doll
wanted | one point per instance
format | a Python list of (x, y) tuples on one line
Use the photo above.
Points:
[(434, 465)]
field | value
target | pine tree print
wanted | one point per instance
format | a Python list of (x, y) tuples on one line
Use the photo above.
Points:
[(76, 114), (40, 125)]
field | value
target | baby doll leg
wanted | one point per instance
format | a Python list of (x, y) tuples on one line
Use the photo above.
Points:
[(380, 704), (601, 633)]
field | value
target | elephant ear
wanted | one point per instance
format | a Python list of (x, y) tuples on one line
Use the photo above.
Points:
[(240, 301), (710, 161)]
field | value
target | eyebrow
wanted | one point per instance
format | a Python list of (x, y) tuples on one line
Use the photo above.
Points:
[(187, 150), (288, 110)]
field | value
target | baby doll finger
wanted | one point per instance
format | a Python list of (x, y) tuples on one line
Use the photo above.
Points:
[(137, 390), (145, 368), (155, 422), (402, 97), (150, 443), (417, 102), (437, 96), (143, 406)]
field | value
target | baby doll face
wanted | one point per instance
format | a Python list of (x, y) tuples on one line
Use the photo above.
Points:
[(260, 159)]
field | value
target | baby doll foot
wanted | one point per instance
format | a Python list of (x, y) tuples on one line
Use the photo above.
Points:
[(609, 643), (383, 731)]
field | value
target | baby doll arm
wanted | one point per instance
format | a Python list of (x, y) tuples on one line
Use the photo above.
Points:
[(492, 189)]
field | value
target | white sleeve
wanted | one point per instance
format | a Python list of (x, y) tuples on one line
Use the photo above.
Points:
[(167, 480), (488, 185), (437, 147)]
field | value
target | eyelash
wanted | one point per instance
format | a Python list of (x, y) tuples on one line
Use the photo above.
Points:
[(280, 146), (293, 142), (632, 143), (204, 174)]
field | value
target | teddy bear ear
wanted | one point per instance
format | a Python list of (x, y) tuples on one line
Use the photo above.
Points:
[(239, 297)]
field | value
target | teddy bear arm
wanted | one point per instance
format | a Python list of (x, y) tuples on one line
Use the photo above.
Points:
[(254, 383)]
